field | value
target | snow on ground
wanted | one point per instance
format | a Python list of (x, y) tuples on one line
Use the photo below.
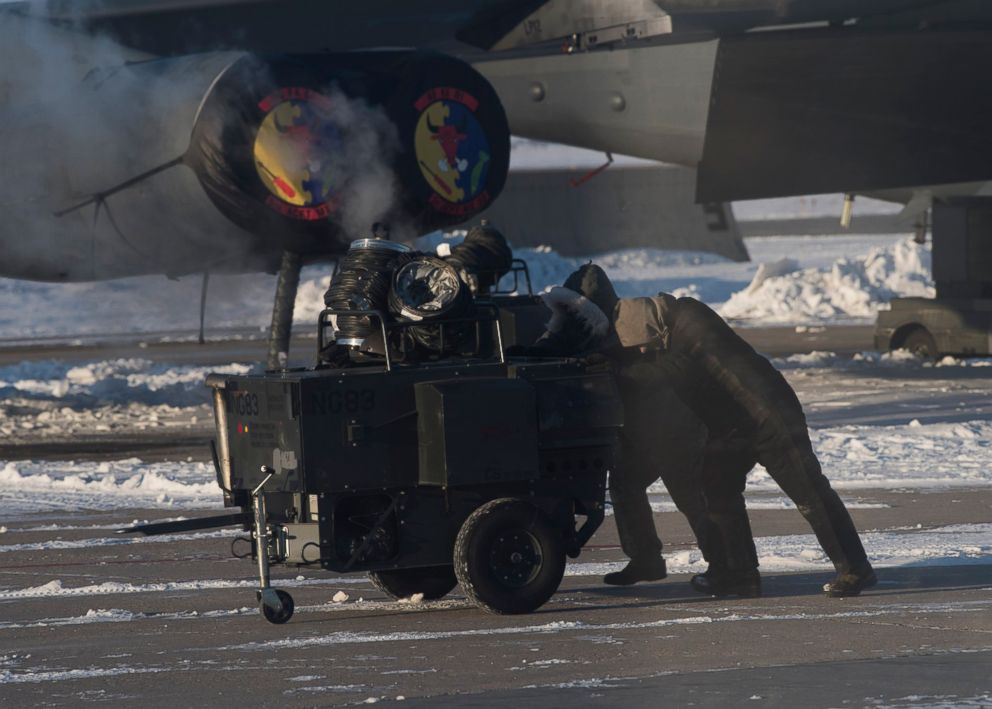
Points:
[(55, 587), (762, 503), (951, 545), (913, 456), (119, 381), (719, 615), (790, 280), (865, 361), (59, 399), (28, 487)]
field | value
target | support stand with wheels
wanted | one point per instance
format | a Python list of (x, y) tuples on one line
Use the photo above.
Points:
[(275, 604)]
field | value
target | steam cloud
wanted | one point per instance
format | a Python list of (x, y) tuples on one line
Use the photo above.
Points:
[(367, 186), (80, 114)]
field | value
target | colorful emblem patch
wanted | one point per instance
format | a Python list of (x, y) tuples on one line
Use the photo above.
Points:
[(293, 152), (452, 150)]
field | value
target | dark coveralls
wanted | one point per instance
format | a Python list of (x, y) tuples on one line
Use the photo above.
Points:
[(662, 438), (752, 414)]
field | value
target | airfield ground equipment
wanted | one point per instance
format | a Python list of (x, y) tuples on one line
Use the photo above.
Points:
[(463, 470), (958, 320), (427, 458)]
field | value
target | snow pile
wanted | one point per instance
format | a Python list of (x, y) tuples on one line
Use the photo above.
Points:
[(118, 381), (851, 289), (867, 360), (29, 487), (55, 399), (809, 360)]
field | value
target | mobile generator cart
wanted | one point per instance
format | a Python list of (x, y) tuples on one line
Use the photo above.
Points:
[(481, 471)]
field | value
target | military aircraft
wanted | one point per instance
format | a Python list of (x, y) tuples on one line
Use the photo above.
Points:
[(185, 136)]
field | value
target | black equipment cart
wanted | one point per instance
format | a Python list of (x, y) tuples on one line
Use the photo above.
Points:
[(479, 470)]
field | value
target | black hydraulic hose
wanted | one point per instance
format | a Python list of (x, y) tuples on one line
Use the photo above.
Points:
[(362, 283), (428, 290), (484, 257)]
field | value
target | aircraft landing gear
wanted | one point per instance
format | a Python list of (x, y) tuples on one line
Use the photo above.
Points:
[(282, 310)]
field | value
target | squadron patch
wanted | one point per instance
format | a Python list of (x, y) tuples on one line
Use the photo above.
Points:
[(452, 150), (293, 150)]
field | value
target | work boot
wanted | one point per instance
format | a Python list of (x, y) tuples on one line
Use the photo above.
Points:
[(746, 584), (851, 583), (649, 569)]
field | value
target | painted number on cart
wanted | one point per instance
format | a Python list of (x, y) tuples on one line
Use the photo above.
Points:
[(246, 404), (350, 402)]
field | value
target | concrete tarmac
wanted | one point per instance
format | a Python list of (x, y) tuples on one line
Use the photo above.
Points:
[(165, 622), (91, 617)]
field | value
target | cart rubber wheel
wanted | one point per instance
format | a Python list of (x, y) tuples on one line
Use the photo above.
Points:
[(508, 557), (433, 581), (921, 343), (285, 611)]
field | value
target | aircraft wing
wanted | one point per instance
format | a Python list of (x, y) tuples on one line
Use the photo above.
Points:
[(175, 27), (460, 27)]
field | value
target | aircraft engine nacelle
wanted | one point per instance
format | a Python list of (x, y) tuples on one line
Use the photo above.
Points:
[(222, 161), (317, 148)]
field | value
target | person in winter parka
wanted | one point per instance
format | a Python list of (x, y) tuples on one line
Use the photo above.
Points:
[(753, 416), (661, 437)]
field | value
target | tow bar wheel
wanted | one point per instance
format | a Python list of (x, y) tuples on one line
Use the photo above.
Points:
[(509, 558), (276, 605)]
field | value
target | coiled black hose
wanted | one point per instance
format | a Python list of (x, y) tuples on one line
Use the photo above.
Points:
[(362, 283), (483, 258), (428, 290)]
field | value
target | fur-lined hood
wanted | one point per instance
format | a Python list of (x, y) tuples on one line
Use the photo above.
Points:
[(575, 318)]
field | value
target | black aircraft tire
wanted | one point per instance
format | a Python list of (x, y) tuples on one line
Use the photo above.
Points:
[(921, 343), (509, 558), (433, 581)]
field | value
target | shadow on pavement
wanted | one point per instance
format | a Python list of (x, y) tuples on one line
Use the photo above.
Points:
[(891, 582)]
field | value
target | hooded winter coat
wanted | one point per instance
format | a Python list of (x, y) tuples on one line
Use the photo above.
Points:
[(660, 438), (746, 403)]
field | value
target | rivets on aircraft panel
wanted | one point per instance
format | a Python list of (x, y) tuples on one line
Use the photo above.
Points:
[(617, 101), (537, 91)]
